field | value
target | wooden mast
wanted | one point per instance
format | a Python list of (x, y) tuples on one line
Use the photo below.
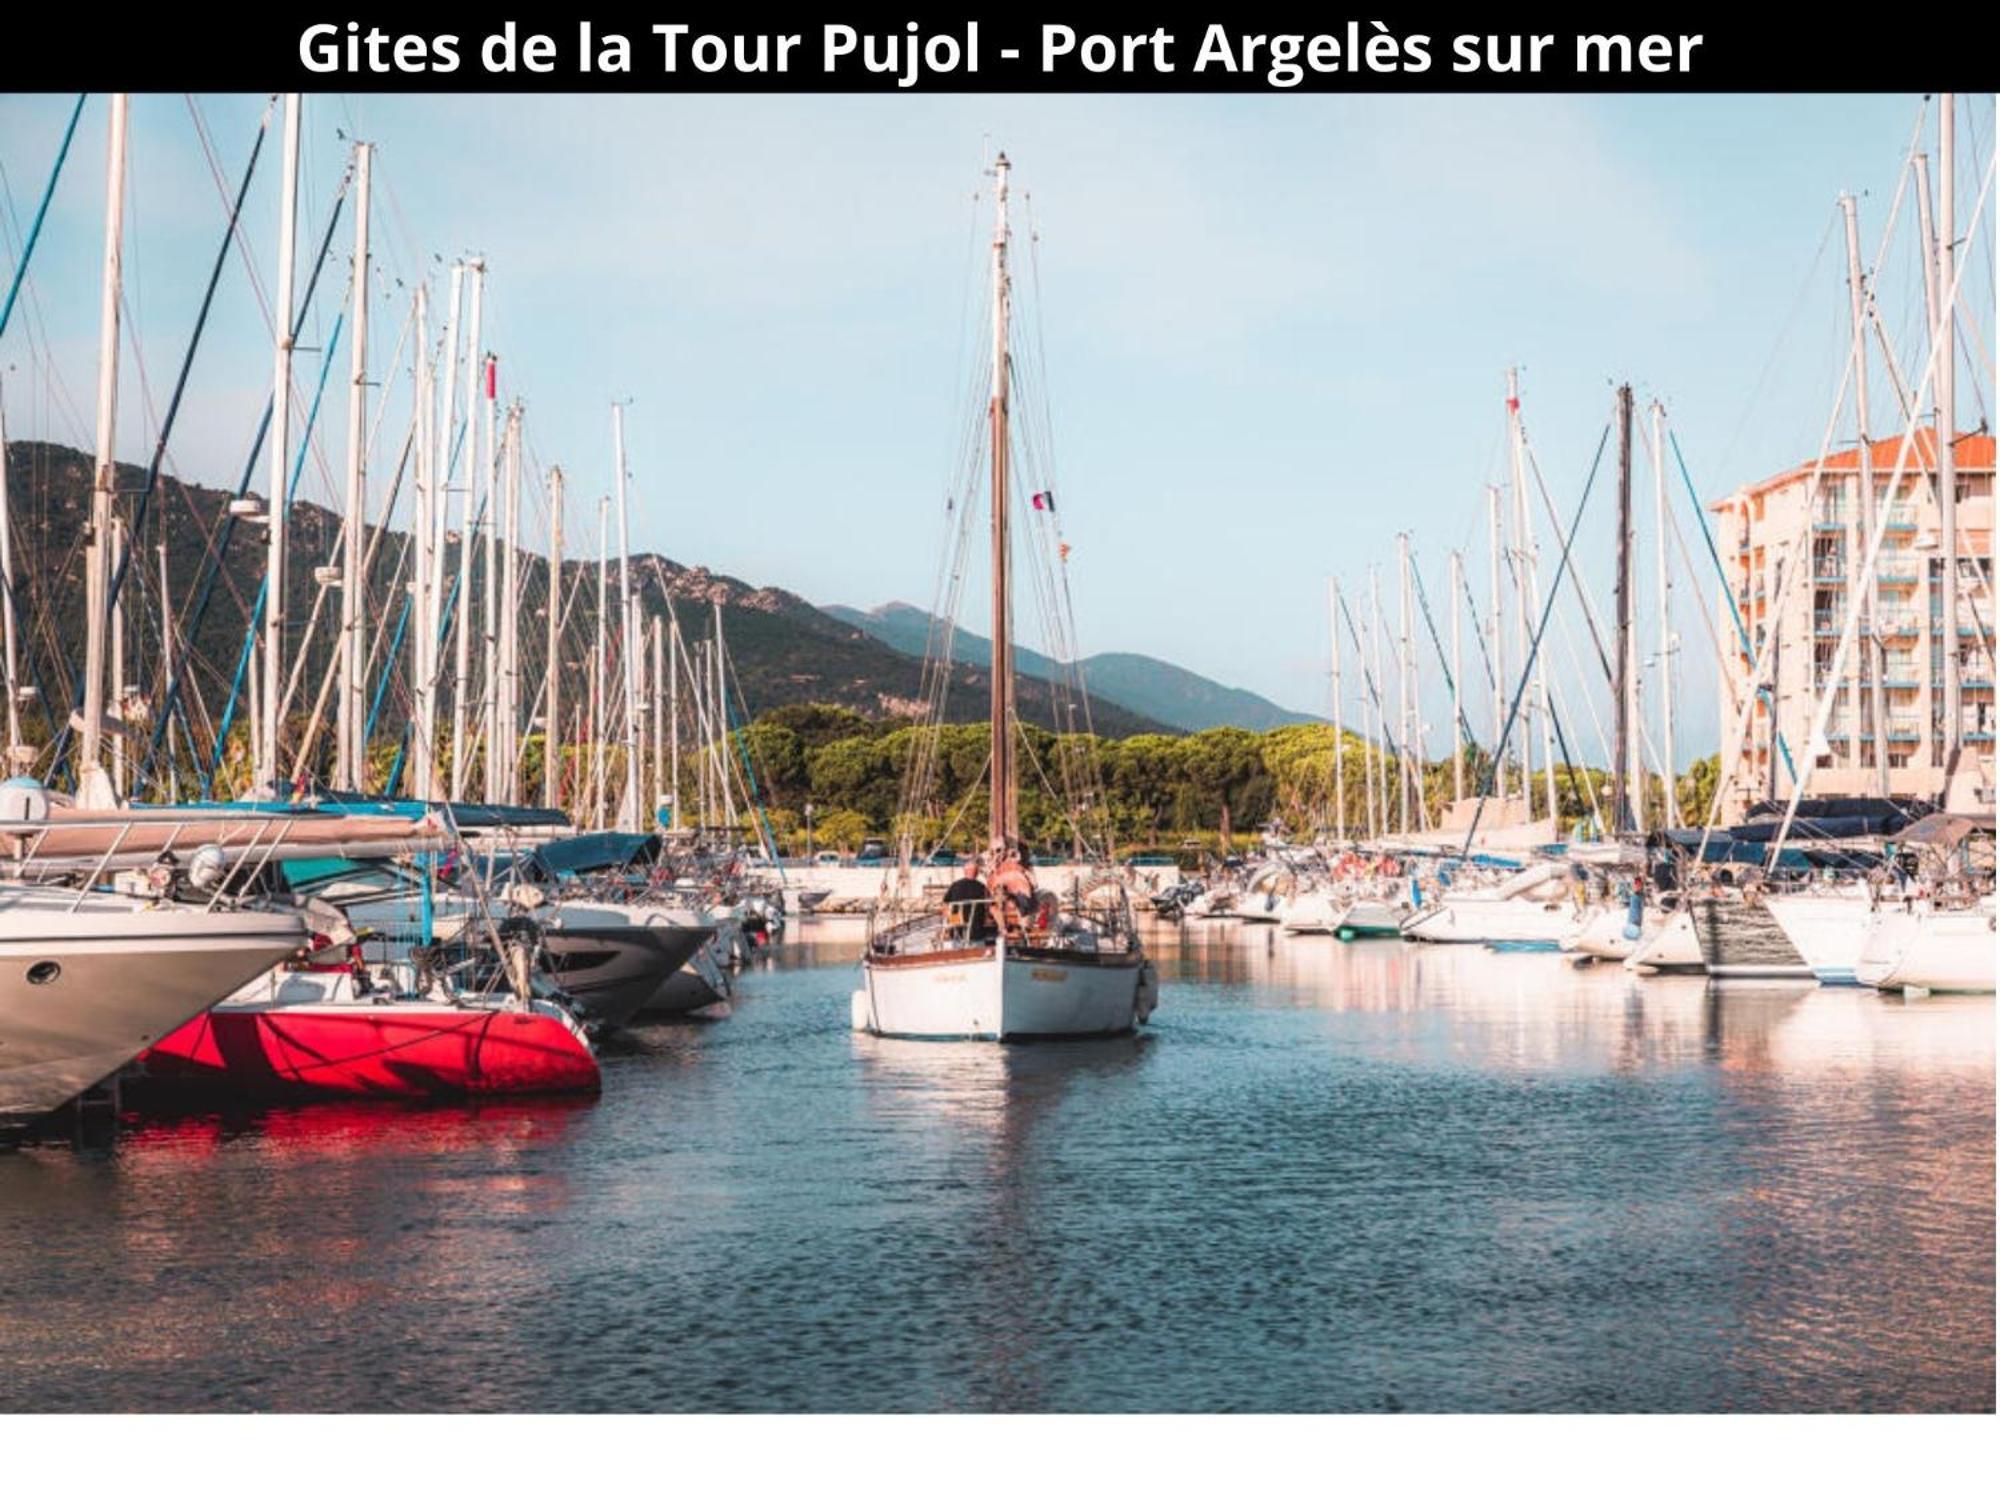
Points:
[(1005, 823)]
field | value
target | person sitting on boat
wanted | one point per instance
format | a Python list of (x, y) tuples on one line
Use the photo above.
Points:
[(1013, 887), (968, 906), (1046, 908)]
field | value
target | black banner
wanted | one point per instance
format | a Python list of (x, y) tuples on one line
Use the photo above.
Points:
[(716, 49)]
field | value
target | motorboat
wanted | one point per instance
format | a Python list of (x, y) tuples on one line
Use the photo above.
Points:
[(89, 979)]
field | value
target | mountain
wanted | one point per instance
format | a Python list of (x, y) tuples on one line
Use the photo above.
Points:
[(1117, 679), (783, 650)]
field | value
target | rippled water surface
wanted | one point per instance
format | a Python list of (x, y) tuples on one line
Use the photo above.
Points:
[(1368, 1178)]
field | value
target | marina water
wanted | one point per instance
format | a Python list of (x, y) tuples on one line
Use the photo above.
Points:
[(1366, 1177)]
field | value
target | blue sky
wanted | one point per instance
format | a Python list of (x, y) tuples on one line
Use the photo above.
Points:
[(1277, 327)]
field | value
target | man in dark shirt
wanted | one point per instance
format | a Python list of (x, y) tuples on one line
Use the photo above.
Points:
[(968, 908)]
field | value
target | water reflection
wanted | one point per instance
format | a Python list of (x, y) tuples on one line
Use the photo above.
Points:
[(1331, 1177)]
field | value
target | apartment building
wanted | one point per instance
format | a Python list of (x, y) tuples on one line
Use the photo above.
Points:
[(1792, 547)]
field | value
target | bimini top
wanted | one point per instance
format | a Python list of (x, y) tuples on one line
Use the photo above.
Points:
[(1729, 846), (590, 853), (1947, 828)]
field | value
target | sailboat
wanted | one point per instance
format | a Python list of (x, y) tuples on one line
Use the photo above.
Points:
[(1013, 961)]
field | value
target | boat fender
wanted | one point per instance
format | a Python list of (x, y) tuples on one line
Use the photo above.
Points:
[(1635, 912), (207, 867)]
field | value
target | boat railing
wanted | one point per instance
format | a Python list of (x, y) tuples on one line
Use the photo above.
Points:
[(28, 862), (250, 843)]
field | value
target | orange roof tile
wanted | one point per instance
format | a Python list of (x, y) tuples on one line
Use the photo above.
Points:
[(1973, 450)]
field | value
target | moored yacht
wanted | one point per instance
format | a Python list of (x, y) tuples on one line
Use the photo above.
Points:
[(328, 1024), (1000, 958), (89, 979), (1827, 925), (1532, 909), (1927, 947)]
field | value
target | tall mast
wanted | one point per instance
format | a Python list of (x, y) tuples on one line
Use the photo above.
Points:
[(1531, 609), (658, 702), (1005, 820), (1499, 640), (169, 653), (98, 560), (597, 705), (1376, 631), (1457, 681), (1863, 523), (350, 722), (675, 654), (1339, 732), (1663, 586), (423, 696), (1947, 428), (489, 625), (1517, 468), (628, 647), (510, 615), (468, 509), (15, 757), (117, 685), (1404, 770), (552, 664), (444, 424), (423, 485), (1368, 750), (704, 808), (265, 762), (724, 794), (1623, 769)]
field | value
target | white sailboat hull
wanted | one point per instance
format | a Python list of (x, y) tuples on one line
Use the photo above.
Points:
[(1372, 916), (1606, 932), (1313, 912), (1930, 950), (1674, 948), (1828, 928), (974, 993), (1266, 908), (1510, 921)]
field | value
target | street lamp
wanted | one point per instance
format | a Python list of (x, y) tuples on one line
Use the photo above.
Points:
[(809, 833)]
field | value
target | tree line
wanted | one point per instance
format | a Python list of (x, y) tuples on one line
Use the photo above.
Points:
[(1158, 790)]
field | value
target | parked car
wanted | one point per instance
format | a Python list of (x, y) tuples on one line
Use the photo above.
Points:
[(873, 852), (827, 859)]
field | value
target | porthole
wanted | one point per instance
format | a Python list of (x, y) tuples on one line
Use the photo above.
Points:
[(45, 972)]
